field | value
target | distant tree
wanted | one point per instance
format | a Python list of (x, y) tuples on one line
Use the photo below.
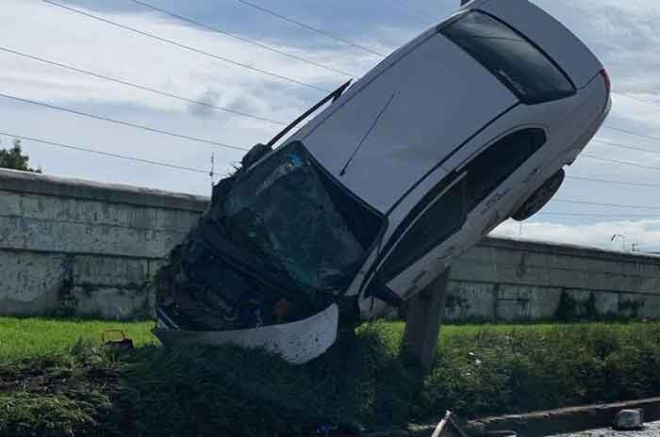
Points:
[(15, 159)]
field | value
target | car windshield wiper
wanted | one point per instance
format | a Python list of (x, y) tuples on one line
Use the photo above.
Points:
[(332, 96)]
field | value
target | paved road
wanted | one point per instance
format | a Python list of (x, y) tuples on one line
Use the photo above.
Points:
[(651, 430)]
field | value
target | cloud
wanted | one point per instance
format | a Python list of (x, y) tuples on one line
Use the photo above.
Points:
[(49, 32), (623, 34), (645, 234), (46, 31)]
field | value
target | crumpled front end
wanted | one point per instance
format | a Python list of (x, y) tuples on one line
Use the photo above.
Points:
[(269, 258)]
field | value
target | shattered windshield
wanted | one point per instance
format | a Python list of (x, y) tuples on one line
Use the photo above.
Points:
[(297, 218)]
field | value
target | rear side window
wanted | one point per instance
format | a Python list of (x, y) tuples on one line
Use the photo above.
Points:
[(492, 166), (438, 223), (513, 59), (479, 178)]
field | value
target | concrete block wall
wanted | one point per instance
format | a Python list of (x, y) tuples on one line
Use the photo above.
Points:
[(90, 249), (83, 248), (509, 280)]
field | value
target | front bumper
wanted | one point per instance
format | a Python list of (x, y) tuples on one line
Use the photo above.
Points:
[(297, 342)]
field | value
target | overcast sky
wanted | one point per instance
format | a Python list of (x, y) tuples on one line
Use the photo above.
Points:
[(623, 34)]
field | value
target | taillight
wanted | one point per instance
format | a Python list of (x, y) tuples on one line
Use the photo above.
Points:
[(606, 78)]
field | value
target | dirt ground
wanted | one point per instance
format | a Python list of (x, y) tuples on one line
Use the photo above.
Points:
[(53, 380)]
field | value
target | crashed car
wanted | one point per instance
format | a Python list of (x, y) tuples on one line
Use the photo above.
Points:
[(467, 125)]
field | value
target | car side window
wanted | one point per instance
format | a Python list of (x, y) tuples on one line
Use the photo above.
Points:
[(436, 224), (492, 166), (479, 178)]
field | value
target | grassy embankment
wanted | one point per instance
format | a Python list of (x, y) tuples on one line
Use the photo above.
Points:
[(53, 384)]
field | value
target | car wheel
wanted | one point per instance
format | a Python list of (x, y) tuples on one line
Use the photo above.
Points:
[(540, 197)]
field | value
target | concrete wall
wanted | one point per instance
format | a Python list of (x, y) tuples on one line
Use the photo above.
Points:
[(509, 280), (75, 247)]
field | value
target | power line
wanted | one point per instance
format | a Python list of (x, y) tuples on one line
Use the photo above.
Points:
[(631, 132), (121, 122), (628, 96), (243, 39), (187, 47), (613, 182), (615, 161), (140, 87), (308, 27), (612, 205), (578, 214), (403, 5), (215, 143), (98, 152), (625, 146)]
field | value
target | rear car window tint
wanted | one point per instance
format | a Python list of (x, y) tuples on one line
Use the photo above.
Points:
[(447, 214), (435, 225), (492, 166), (510, 57)]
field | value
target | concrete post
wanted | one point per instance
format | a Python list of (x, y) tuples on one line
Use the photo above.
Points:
[(423, 320)]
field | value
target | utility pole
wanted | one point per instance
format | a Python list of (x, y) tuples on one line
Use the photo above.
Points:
[(623, 240)]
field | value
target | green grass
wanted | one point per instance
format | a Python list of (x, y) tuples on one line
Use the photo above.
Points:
[(25, 337), (50, 384)]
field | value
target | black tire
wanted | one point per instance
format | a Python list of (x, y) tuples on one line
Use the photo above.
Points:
[(540, 197)]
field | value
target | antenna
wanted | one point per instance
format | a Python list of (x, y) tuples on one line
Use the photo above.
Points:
[(332, 96)]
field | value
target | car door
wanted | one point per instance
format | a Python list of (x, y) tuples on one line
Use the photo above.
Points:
[(467, 207), (489, 188)]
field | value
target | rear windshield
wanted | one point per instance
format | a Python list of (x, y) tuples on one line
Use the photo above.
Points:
[(515, 61)]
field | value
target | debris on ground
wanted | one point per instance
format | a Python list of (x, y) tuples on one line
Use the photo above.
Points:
[(448, 427), (116, 340), (629, 420)]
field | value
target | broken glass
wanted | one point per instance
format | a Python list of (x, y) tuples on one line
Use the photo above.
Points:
[(283, 210), (279, 242)]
